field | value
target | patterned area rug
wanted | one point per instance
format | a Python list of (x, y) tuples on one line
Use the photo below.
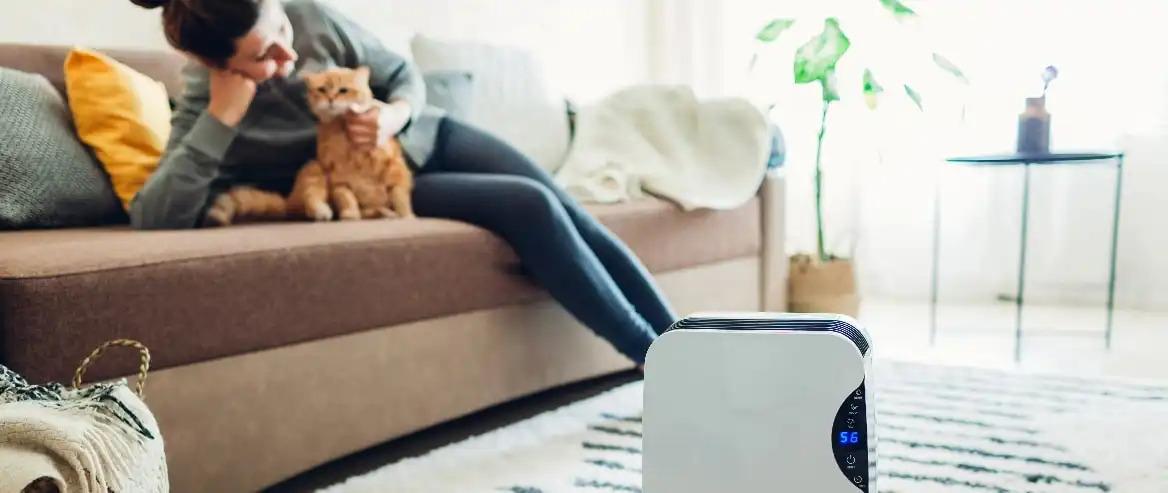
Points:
[(941, 429)]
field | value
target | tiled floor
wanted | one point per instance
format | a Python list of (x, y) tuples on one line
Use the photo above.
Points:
[(1055, 338)]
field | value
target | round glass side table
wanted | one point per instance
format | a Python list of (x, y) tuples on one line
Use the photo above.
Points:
[(1026, 161)]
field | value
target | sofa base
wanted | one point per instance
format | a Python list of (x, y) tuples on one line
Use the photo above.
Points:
[(246, 422)]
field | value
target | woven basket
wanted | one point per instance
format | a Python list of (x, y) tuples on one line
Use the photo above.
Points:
[(100, 438), (822, 287)]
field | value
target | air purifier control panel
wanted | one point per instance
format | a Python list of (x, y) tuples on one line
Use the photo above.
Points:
[(849, 438)]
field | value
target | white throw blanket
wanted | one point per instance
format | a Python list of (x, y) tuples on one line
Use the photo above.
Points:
[(99, 439), (664, 141)]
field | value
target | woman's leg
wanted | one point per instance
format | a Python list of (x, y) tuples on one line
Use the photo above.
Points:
[(464, 148), (528, 216)]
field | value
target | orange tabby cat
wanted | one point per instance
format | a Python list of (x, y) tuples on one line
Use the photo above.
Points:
[(243, 203), (358, 184)]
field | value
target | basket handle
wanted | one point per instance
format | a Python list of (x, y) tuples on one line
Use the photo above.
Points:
[(143, 367)]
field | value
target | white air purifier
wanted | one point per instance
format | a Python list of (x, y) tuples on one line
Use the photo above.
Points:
[(760, 402)]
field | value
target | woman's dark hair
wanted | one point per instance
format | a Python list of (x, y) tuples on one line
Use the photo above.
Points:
[(207, 29)]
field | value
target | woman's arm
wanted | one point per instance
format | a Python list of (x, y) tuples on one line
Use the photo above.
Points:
[(175, 194), (393, 79)]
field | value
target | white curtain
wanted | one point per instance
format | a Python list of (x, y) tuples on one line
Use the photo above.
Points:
[(882, 167), (685, 40)]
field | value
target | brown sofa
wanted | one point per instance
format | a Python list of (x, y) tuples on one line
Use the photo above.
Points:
[(280, 347)]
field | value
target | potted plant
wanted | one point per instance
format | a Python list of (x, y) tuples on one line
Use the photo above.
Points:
[(824, 282)]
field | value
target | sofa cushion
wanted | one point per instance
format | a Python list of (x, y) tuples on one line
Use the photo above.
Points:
[(122, 115), (161, 65), (197, 295), (511, 98), (450, 90), (48, 178)]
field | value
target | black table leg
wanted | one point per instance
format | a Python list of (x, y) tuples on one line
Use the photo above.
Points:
[(1114, 245), (1027, 160), (1022, 264)]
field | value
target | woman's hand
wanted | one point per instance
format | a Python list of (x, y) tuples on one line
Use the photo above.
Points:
[(372, 127), (231, 95)]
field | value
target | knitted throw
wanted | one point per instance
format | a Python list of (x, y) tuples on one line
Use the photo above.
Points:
[(98, 439)]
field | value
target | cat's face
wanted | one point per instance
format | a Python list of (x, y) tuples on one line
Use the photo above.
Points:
[(332, 92)]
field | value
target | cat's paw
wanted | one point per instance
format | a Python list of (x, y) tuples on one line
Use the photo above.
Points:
[(352, 214), (377, 213), (320, 212), (217, 218)]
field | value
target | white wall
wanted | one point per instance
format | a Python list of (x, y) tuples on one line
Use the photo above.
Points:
[(108, 23), (588, 46)]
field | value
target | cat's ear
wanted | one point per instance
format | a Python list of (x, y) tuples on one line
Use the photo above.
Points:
[(308, 77), (362, 74)]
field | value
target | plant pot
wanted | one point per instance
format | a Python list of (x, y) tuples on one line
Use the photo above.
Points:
[(822, 287)]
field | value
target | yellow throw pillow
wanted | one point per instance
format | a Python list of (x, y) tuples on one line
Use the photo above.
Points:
[(123, 115)]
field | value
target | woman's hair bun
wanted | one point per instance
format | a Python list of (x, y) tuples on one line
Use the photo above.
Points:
[(150, 4)]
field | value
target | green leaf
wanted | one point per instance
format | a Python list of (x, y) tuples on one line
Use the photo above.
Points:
[(898, 9), (818, 56), (773, 29), (915, 96), (830, 88), (872, 89), (950, 67)]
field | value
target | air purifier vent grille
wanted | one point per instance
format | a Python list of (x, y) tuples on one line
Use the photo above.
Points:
[(725, 323)]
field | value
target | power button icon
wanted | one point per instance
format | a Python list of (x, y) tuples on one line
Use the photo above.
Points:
[(851, 460)]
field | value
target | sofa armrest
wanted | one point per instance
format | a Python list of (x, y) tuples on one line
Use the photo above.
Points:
[(774, 262)]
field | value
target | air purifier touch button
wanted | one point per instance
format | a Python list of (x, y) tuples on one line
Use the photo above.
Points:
[(849, 438)]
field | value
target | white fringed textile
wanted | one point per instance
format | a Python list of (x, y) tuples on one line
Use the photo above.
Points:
[(96, 439)]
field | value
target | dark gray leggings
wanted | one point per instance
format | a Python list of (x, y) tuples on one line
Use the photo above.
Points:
[(477, 178)]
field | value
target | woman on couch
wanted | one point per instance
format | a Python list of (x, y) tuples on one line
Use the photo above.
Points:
[(240, 121)]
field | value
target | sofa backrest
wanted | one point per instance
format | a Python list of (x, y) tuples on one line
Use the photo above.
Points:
[(162, 65)]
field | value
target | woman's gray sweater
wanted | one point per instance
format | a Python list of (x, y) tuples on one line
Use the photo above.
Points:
[(278, 134)]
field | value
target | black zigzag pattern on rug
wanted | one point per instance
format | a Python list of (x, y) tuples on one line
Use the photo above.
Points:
[(940, 429)]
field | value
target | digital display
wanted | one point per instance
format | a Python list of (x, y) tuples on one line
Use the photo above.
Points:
[(849, 437)]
